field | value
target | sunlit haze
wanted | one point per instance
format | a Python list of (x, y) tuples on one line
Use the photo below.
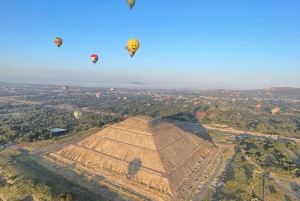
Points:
[(230, 44)]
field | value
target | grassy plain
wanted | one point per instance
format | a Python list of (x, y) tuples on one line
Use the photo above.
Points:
[(63, 139), (21, 177), (215, 134)]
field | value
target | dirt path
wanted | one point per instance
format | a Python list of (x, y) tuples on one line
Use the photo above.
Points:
[(1, 197), (208, 184), (54, 147), (21, 101), (18, 146)]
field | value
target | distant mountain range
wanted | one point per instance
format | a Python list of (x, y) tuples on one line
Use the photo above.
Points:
[(281, 88), (136, 82)]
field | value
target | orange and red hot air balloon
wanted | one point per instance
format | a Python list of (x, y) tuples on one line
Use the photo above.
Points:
[(257, 107), (94, 58)]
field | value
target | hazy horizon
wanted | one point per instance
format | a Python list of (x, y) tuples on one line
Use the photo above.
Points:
[(140, 86)]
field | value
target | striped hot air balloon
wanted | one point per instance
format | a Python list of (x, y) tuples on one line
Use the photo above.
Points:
[(98, 95), (94, 58), (58, 41)]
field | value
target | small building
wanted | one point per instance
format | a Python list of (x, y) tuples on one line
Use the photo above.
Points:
[(58, 131)]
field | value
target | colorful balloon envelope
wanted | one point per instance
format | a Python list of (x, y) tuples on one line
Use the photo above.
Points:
[(98, 95), (257, 107), (78, 114), (94, 58), (132, 46), (275, 110), (58, 41), (64, 88), (130, 3)]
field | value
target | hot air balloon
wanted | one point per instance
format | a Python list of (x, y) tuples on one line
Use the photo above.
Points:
[(78, 114), (119, 97), (94, 58), (257, 107), (275, 110), (130, 3), (98, 95), (58, 41), (132, 46), (125, 98), (64, 88)]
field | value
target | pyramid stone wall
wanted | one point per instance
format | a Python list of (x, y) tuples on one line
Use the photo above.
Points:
[(157, 156)]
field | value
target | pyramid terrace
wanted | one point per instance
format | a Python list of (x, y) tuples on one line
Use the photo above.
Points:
[(146, 156)]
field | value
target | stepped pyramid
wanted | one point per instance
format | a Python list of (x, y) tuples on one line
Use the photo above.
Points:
[(145, 155)]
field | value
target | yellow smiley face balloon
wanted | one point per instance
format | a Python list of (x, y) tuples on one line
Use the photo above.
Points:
[(133, 45)]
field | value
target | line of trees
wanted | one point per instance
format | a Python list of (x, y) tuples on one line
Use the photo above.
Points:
[(272, 155)]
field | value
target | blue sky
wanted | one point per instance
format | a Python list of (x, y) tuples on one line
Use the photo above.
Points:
[(223, 44)]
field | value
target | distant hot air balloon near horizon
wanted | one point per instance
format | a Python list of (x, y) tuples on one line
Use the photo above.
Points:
[(58, 41), (94, 58), (64, 88), (257, 107), (275, 110), (78, 114), (130, 3), (132, 46), (98, 95)]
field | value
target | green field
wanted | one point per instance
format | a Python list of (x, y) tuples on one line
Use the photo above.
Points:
[(215, 134)]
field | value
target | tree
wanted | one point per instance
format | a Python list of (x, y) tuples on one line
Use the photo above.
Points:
[(232, 183), (69, 197)]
